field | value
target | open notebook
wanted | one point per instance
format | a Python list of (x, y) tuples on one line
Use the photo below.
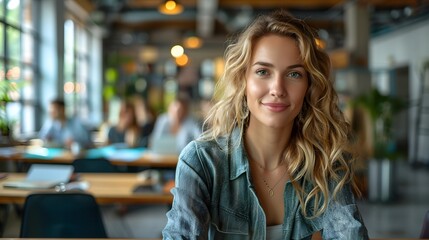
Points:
[(43, 176)]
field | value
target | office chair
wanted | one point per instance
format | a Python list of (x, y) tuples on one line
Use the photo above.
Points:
[(95, 165), (425, 228), (62, 215)]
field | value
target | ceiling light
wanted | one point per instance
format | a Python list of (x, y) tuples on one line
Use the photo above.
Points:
[(182, 60), (177, 51), (192, 42), (171, 7)]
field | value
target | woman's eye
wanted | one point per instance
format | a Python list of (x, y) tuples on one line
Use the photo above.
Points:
[(295, 75), (262, 72)]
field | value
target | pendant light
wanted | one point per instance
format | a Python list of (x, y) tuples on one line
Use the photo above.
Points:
[(171, 7)]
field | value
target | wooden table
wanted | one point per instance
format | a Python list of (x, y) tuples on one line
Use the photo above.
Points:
[(105, 187), (146, 159)]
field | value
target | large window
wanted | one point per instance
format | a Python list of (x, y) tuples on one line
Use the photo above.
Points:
[(17, 65), (76, 68)]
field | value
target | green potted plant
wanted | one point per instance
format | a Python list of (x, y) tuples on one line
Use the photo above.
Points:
[(6, 87), (381, 110)]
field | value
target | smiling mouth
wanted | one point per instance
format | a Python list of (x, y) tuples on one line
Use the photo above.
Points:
[(276, 107)]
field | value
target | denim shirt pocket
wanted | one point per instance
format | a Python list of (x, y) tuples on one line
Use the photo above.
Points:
[(229, 222)]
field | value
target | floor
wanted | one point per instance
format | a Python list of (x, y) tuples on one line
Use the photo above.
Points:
[(400, 218)]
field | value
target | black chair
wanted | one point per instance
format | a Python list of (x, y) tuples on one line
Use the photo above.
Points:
[(62, 215), (425, 228), (96, 165)]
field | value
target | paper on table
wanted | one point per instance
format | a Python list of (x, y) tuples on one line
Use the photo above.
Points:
[(44, 153), (126, 155)]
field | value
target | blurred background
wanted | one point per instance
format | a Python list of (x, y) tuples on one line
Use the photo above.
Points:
[(94, 53)]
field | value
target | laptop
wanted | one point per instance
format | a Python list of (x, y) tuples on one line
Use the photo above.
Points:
[(166, 144), (43, 176)]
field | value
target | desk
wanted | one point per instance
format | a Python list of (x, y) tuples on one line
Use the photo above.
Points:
[(105, 187), (121, 157)]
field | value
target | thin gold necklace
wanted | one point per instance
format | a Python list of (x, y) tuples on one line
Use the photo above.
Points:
[(271, 189)]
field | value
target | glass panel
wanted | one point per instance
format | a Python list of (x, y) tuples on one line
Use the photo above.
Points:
[(27, 123), (69, 100), (27, 48), (13, 75), (68, 51), (1, 9), (27, 88), (27, 16), (82, 40), (2, 73), (13, 109), (12, 11), (81, 89), (1, 39), (13, 43)]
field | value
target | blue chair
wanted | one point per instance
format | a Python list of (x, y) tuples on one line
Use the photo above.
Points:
[(62, 215), (95, 165)]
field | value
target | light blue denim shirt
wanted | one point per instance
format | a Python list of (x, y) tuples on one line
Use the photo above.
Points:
[(214, 199)]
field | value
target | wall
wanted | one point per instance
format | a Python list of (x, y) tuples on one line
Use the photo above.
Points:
[(405, 46)]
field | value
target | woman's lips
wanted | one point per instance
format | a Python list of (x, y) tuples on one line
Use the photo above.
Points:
[(276, 107)]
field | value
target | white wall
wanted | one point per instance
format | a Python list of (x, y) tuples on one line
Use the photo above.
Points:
[(406, 46)]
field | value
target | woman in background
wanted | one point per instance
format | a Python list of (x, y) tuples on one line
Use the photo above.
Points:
[(177, 123), (127, 130), (274, 162)]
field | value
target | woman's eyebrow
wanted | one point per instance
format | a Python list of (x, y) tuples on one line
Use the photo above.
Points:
[(295, 66), (266, 64)]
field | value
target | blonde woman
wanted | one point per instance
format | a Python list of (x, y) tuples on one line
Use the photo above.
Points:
[(273, 163)]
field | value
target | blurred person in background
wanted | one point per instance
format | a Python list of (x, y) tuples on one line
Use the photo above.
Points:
[(128, 130), (177, 122), (205, 106), (61, 131), (275, 162), (144, 114)]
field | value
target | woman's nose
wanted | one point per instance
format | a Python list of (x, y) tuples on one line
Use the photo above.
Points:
[(278, 88)]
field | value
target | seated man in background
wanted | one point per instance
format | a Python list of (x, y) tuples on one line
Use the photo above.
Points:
[(177, 122), (60, 131)]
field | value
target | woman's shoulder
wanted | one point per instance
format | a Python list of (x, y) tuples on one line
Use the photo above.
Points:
[(202, 145), (204, 151)]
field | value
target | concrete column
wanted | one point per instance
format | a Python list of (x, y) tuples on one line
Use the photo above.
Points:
[(357, 28), (356, 78)]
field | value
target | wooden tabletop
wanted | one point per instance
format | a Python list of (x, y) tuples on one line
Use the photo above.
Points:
[(105, 187)]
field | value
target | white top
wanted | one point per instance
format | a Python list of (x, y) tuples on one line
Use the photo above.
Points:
[(274, 232)]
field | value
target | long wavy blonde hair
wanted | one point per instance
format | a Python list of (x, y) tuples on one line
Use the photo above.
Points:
[(318, 151)]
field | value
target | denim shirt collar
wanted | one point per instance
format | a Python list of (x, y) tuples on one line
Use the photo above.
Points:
[(239, 163)]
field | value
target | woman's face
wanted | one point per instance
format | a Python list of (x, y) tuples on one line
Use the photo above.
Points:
[(276, 82)]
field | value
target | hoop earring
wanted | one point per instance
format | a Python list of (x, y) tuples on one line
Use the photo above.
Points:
[(245, 111), (302, 113), (300, 117)]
